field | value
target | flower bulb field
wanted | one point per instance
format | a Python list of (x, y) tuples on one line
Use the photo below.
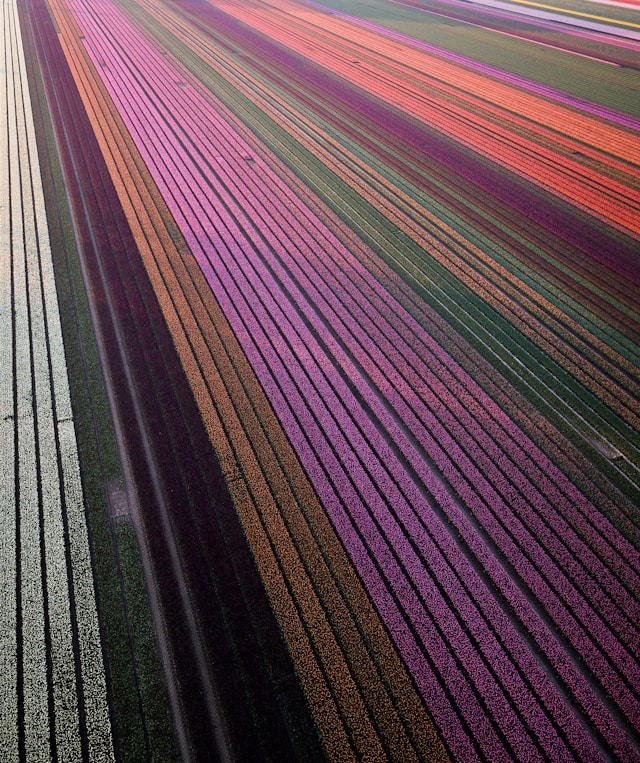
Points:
[(320, 381)]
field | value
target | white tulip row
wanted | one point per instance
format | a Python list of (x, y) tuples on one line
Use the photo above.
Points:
[(8, 714), (39, 472)]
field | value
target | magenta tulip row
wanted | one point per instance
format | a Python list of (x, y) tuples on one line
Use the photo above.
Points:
[(437, 495)]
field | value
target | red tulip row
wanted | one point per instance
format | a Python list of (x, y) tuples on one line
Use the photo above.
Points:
[(440, 105), (614, 48)]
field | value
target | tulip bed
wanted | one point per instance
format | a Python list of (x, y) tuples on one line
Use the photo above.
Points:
[(144, 358), (54, 693), (400, 257), (397, 289)]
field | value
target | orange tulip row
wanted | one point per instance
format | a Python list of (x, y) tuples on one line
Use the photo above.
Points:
[(326, 35)]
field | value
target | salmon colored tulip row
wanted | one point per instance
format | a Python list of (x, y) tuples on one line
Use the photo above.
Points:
[(431, 90)]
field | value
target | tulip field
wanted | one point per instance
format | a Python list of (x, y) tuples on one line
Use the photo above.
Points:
[(49, 621), (323, 436)]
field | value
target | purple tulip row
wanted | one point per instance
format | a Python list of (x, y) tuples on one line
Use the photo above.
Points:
[(372, 405)]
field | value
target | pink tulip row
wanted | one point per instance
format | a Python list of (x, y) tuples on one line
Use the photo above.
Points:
[(367, 399)]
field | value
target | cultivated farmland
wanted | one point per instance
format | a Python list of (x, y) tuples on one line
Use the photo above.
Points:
[(320, 391)]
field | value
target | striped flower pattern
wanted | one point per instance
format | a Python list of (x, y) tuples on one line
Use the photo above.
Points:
[(54, 692), (402, 284)]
